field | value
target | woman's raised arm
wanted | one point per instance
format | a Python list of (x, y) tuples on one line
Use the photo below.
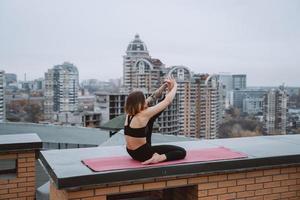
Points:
[(151, 111), (157, 94)]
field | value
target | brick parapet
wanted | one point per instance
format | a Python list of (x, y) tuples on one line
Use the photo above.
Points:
[(22, 186), (269, 183)]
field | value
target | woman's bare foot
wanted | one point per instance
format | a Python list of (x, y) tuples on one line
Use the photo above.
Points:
[(156, 158)]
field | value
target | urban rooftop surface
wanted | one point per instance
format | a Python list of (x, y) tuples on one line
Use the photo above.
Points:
[(271, 171), (66, 169)]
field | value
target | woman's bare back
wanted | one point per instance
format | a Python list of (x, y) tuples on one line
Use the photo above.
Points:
[(138, 121)]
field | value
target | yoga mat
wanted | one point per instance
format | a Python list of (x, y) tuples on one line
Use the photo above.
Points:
[(194, 155)]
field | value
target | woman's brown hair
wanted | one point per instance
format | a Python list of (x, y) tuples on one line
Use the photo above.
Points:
[(135, 103)]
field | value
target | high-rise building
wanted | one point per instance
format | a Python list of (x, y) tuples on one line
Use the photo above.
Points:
[(2, 96), (208, 106), (10, 78), (144, 73), (227, 82), (239, 81), (38, 84), (140, 71), (238, 97), (253, 105), (110, 105), (201, 100), (184, 116), (275, 111), (186, 95), (231, 83), (168, 121), (61, 90)]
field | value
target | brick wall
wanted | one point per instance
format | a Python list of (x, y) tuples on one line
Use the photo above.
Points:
[(272, 183), (23, 185)]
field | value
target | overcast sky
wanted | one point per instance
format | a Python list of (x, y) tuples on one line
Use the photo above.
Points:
[(258, 37)]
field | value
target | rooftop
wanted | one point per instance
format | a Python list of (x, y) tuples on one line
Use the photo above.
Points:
[(20, 142), (57, 134), (67, 171)]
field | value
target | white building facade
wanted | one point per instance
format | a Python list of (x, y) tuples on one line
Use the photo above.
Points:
[(140, 71), (209, 109), (275, 112), (61, 90)]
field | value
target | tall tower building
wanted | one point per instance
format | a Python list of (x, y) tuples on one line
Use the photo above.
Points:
[(230, 84), (208, 106), (197, 108), (186, 95), (140, 71), (144, 73), (61, 90), (275, 111), (227, 82), (201, 99), (2, 96), (239, 81)]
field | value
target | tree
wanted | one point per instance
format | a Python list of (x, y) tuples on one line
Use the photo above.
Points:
[(34, 113), (240, 128), (24, 111), (237, 125)]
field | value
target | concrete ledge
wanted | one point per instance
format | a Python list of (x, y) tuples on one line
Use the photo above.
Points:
[(22, 149), (67, 171), (19, 142)]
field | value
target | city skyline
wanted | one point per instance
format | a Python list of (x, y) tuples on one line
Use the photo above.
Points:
[(212, 37)]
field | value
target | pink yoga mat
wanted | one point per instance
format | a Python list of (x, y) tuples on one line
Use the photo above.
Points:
[(194, 155)]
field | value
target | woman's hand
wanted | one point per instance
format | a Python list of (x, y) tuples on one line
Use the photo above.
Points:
[(162, 105), (171, 82), (158, 93), (156, 158)]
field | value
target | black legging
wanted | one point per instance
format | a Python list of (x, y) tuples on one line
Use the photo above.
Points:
[(146, 151)]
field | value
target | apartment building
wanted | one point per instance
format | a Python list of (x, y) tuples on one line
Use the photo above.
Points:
[(209, 111), (275, 111), (61, 90)]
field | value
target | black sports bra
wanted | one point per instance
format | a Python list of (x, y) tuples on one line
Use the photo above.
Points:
[(135, 132)]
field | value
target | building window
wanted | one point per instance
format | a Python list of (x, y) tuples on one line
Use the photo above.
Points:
[(180, 74), (141, 67), (8, 168)]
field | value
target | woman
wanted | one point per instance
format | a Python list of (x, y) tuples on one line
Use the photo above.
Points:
[(139, 123)]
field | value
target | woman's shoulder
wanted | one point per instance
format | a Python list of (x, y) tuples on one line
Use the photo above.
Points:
[(145, 113), (142, 114)]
